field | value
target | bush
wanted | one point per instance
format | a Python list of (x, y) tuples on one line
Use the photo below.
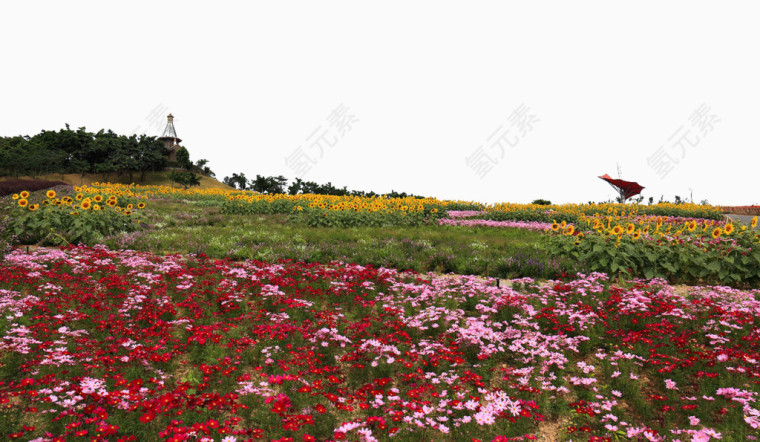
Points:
[(541, 202)]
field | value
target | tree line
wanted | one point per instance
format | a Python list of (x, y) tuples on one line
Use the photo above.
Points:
[(83, 152), (277, 184)]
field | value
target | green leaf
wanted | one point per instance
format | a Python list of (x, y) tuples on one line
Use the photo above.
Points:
[(713, 266)]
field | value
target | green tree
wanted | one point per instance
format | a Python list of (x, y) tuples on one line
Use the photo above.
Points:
[(185, 179), (269, 184), (183, 158), (238, 181), (149, 155)]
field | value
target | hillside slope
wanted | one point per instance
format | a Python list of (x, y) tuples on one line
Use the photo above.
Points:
[(151, 179)]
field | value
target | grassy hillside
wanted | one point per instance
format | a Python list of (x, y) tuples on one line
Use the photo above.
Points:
[(151, 178)]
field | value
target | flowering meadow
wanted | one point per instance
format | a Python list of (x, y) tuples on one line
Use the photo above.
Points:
[(121, 345)]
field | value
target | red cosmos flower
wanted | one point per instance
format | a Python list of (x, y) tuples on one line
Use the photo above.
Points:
[(309, 438), (147, 417)]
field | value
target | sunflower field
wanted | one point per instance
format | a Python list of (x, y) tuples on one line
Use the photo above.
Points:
[(675, 248), (85, 217)]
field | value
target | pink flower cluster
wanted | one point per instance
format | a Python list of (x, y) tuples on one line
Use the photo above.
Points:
[(530, 225)]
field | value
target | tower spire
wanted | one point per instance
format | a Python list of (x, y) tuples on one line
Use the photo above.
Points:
[(170, 132), (170, 139)]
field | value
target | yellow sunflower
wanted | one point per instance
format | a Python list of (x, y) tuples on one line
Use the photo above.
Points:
[(637, 234), (618, 230), (569, 230), (34, 207), (692, 226), (24, 194), (728, 228), (630, 228), (753, 224), (79, 197), (50, 193), (716, 232), (111, 203), (15, 197), (23, 202), (86, 204), (98, 198), (555, 226), (95, 207)]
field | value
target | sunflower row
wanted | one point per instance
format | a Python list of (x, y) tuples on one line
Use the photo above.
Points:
[(61, 219), (572, 213), (693, 251), (138, 191), (663, 227), (80, 201)]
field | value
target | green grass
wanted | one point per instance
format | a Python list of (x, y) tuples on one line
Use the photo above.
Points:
[(185, 227)]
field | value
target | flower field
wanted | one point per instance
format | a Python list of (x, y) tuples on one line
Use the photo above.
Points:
[(572, 213), (122, 345), (676, 248)]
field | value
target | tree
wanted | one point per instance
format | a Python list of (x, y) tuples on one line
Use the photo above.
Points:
[(295, 187), (149, 155), (183, 158), (185, 179), (202, 168), (270, 184), (238, 181)]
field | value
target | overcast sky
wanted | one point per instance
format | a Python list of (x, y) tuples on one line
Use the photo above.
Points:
[(485, 101)]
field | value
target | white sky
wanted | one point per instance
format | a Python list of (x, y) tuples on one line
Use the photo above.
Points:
[(428, 82)]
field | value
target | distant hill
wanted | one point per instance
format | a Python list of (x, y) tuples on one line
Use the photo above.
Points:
[(151, 179)]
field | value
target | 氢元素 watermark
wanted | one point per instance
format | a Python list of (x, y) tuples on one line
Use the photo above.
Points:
[(508, 135), (154, 123), (688, 136)]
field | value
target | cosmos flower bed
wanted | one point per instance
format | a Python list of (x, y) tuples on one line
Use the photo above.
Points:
[(105, 345), (529, 225)]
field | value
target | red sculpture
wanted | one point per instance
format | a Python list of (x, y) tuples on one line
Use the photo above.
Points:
[(625, 189)]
